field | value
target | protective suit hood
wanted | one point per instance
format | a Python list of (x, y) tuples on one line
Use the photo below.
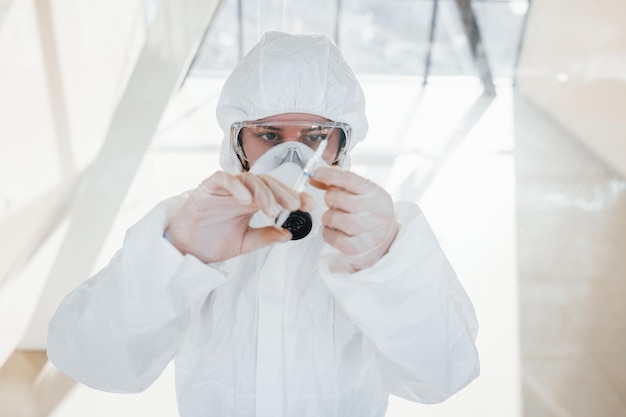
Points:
[(287, 73)]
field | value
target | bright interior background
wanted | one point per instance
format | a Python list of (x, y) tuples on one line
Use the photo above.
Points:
[(103, 114)]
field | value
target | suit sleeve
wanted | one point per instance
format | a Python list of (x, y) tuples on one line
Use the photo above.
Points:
[(118, 330), (417, 322)]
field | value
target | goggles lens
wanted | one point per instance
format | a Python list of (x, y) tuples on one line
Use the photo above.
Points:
[(262, 136)]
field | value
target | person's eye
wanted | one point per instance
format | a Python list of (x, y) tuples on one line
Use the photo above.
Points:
[(315, 137), (268, 136)]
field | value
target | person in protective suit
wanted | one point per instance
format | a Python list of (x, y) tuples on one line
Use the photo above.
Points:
[(258, 324)]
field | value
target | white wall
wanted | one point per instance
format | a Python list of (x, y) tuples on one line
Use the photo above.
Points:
[(573, 66), (63, 65)]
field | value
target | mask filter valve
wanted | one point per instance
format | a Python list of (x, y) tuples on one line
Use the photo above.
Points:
[(299, 223)]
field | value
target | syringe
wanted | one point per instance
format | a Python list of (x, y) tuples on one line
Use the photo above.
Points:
[(303, 179)]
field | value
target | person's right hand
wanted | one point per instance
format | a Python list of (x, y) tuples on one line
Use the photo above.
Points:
[(213, 224)]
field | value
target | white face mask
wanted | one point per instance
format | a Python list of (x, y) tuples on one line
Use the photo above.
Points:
[(285, 162)]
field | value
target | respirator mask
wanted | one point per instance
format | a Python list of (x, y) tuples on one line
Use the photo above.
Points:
[(286, 163)]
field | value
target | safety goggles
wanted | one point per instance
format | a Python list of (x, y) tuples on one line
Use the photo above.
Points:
[(265, 135)]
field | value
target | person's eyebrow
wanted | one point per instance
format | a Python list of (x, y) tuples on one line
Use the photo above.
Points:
[(270, 127)]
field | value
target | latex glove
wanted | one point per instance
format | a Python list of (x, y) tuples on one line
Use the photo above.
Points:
[(360, 221), (213, 224)]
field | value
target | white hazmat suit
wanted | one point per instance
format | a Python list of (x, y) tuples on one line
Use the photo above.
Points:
[(285, 330)]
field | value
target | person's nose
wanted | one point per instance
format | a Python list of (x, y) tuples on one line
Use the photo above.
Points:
[(292, 135)]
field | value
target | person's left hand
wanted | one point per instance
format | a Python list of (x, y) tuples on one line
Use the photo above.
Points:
[(360, 221)]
